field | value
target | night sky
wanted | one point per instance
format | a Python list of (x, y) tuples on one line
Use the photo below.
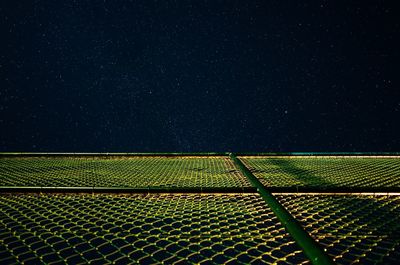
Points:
[(199, 76)]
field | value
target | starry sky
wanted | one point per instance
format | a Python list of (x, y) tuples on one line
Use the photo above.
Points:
[(199, 76)]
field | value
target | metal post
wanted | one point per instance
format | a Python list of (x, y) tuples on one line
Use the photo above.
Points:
[(311, 248)]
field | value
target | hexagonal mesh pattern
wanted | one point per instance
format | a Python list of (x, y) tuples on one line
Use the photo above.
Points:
[(325, 172), (353, 229), (133, 172), (174, 229)]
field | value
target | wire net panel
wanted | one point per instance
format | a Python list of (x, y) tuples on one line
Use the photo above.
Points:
[(132, 172), (325, 172), (352, 229), (170, 229)]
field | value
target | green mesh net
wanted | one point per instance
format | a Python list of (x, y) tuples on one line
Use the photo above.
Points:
[(326, 172), (352, 228), (133, 172), (148, 229), (228, 225)]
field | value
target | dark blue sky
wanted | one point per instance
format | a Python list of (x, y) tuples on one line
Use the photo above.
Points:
[(137, 76)]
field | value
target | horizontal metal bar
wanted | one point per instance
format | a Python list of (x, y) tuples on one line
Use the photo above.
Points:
[(205, 154), (113, 154), (19, 189), (276, 190), (332, 189), (319, 154), (339, 193)]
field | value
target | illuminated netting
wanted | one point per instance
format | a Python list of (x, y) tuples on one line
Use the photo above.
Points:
[(199, 209), (325, 172), (232, 229), (114, 171), (353, 229)]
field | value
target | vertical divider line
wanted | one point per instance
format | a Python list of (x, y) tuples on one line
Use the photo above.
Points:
[(310, 247)]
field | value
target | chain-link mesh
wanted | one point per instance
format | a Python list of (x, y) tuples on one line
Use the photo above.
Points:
[(194, 228), (353, 229), (170, 229), (325, 172), (134, 172)]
